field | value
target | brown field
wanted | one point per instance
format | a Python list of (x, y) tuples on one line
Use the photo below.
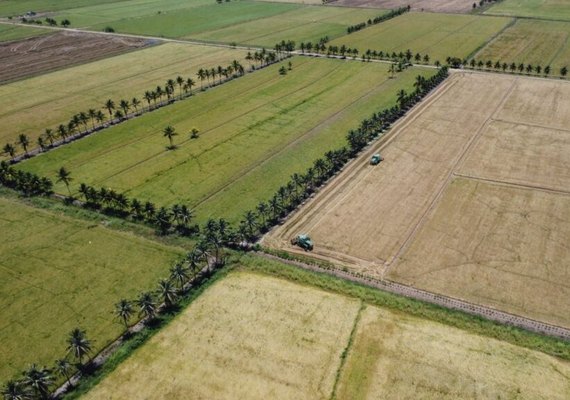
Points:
[(483, 157), (24, 58), (453, 6)]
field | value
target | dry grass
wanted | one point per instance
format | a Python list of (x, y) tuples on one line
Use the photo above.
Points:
[(396, 356), (452, 6), (247, 337)]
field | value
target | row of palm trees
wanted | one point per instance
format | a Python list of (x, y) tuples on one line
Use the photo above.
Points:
[(86, 122), (378, 19), (37, 382), (301, 186), (26, 183), (207, 254), (512, 67)]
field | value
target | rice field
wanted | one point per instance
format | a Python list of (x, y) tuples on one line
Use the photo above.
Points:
[(547, 9)]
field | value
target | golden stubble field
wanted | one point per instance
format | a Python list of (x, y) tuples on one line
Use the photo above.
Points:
[(251, 336), (474, 190)]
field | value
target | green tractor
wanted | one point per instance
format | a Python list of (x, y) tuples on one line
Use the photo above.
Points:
[(376, 159), (303, 241)]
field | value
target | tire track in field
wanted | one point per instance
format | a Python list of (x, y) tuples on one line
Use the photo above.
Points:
[(296, 91), (303, 137)]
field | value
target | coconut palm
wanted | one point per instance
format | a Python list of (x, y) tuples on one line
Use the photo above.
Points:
[(125, 106), (15, 390), (100, 117), (124, 311), (92, 113), (110, 106), (38, 380), (189, 83), (78, 344), (180, 82), (63, 175), (146, 305), (169, 132), (148, 97), (167, 292), (24, 141), (179, 273), (63, 369), (9, 150), (136, 103)]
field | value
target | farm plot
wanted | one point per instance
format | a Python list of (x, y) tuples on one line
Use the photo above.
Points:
[(448, 6), (29, 106), (59, 273), (255, 132), (532, 42), (10, 32), (395, 356), (257, 337), (25, 58), (438, 35), (482, 159), (19, 7), (548, 9)]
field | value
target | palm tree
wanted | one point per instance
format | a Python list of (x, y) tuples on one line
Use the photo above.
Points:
[(15, 390), (167, 292), (169, 132), (147, 305), (148, 97), (63, 368), (92, 115), (564, 71), (24, 142), (78, 344), (194, 133), (64, 176), (62, 131), (179, 273), (9, 150), (125, 106), (42, 143), (201, 75), (100, 117), (402, 96), (124, 311), (39, 380), (189, 83), (136, 103), (110, 106), (50, 135), (159, 93), (180, 81)]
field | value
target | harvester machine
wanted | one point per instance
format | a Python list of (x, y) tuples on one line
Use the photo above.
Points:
[(303, 241)]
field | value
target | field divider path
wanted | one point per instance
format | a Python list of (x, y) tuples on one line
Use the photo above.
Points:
[(385, 285), (439, 194), (513, 184)]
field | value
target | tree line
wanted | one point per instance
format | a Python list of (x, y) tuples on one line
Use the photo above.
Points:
[(111, 112), (37, 382), (26, 183), (378, 19), (513, 67)]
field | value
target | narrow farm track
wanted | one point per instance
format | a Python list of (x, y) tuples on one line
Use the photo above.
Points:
[(437, 299)]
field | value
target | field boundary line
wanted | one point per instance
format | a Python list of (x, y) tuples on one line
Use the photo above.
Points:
[(515, 185), (492, 39), (439, 194), (451, 303)]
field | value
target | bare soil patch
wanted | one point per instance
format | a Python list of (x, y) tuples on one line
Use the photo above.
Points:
[(453, 6), (24, 58)]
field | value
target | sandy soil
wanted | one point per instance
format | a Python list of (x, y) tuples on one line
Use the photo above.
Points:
[(454, 6), (24, 58)]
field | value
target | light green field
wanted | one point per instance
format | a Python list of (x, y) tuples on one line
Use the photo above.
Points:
[(14, 32), (533, 42), (242, 22), (258, 337), (255, 132), (59, 273), (438, 35), (53, 98), (18, 7), (549, 9)]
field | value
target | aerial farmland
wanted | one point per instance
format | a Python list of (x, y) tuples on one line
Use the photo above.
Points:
[(285, 199)]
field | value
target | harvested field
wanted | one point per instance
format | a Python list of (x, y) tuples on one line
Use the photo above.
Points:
[(548, 9), (503, 246), (292, 119), (532, 42), (446, 6), (25, 58), (509, 142), (399, 357), (9, 32), (19, 7), (53, 98), (58, 273), (246, 337), (258, 337), (438, 35)]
